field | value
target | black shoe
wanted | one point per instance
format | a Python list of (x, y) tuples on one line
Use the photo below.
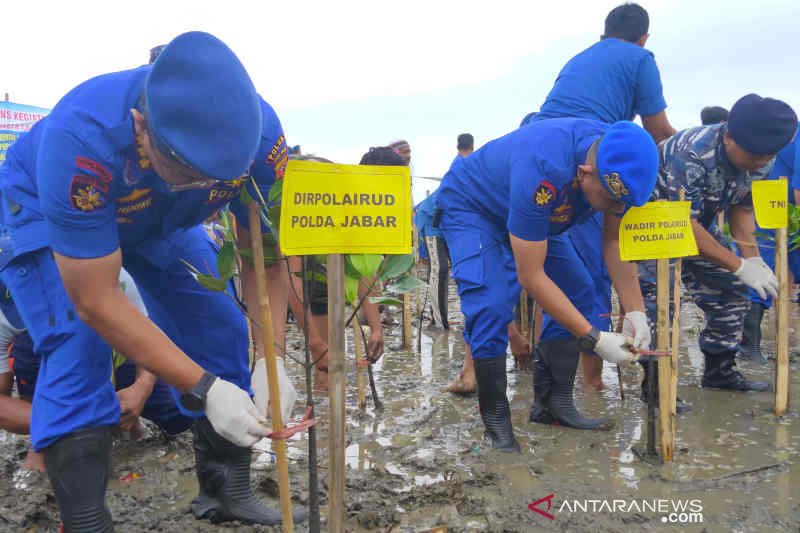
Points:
[(721, 373), (493, 403), (554, 365), (681, 407), (750, 349), (78, 466), (223, 470)]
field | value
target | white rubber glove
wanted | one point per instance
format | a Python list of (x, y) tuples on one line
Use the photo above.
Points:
[(636, 326), (755, 273), (286, 391), (614, 347), (233, 415)]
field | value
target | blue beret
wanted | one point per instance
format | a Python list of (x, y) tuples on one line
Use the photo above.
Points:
[(761, 125), (627, 161), (202, 107)]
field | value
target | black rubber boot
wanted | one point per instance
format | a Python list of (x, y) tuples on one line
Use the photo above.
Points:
[(751, 335), (681, 407), (721, 373), (493, 403), (542, 384), (223, 470), (555, 365), (78, 466)]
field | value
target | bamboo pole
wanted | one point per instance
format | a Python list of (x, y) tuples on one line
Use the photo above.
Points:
[(336, 393), (673, 359), (782, 309), (524, 313), (267, 336), (407, 329), (666, 432), (358, 345)]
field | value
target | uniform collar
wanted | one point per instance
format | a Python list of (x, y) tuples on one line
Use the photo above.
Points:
[(722, 157)]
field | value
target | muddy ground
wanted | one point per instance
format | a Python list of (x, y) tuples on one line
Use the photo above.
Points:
[(420, 463)]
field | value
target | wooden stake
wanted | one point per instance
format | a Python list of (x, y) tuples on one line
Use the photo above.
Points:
[(782, 309), (667, 430), (524, 313), (358, 345), (407, 319), (267, 340), (336, 394)]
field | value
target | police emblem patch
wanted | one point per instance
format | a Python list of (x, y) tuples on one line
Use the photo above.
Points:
[(85, 193), (615, 185), (544, 194)]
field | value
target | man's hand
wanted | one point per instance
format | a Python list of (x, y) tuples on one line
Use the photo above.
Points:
[(233, 415), (755, 273), (635, 326), (614, 347), (131, 404), (287, 392), (375, 345)]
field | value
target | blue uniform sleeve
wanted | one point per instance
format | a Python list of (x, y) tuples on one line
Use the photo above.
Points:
[(681, 171), (795, 177), (531, 201), (649, 93), (269, 164), (75, 194)]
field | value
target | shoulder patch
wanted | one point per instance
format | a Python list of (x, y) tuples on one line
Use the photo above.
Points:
[(86, 193), (90, 165), (545, 193)]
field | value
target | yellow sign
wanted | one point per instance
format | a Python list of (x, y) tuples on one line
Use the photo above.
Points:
[(770, 200), (344, 209), (657, 230)]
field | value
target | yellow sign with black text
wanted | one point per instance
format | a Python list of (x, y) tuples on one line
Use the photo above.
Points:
[(345, 209), (657, 230), (770, 201)]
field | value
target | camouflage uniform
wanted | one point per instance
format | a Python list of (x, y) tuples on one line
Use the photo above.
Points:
[(694, 161)]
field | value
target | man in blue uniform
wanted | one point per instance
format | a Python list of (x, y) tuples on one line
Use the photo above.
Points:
[(511, 195), (787, 164), (715, 167), (615, 79), (123, 171)]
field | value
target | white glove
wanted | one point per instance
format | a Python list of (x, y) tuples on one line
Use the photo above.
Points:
[(755, 273), (614, 347), (636, 326), (286, 391), (233, 415)]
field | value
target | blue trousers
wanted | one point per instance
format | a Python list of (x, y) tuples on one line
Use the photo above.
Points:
[(160, 408), (588, 268), (485, 272), (74, 389)]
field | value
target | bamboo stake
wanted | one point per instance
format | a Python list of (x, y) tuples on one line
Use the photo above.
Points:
[(407, 319), (673, 359), (336, 394), (666, 432), (267, 336), (358, 345), (782, 309), (524, 313)]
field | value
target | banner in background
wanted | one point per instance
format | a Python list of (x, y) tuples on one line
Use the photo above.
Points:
[(16, 119)]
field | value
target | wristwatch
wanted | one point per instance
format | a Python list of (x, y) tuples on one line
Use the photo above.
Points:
[(587, 342), (195, 398)]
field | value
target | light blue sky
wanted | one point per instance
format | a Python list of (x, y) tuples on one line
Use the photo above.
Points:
[(348, 75)]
